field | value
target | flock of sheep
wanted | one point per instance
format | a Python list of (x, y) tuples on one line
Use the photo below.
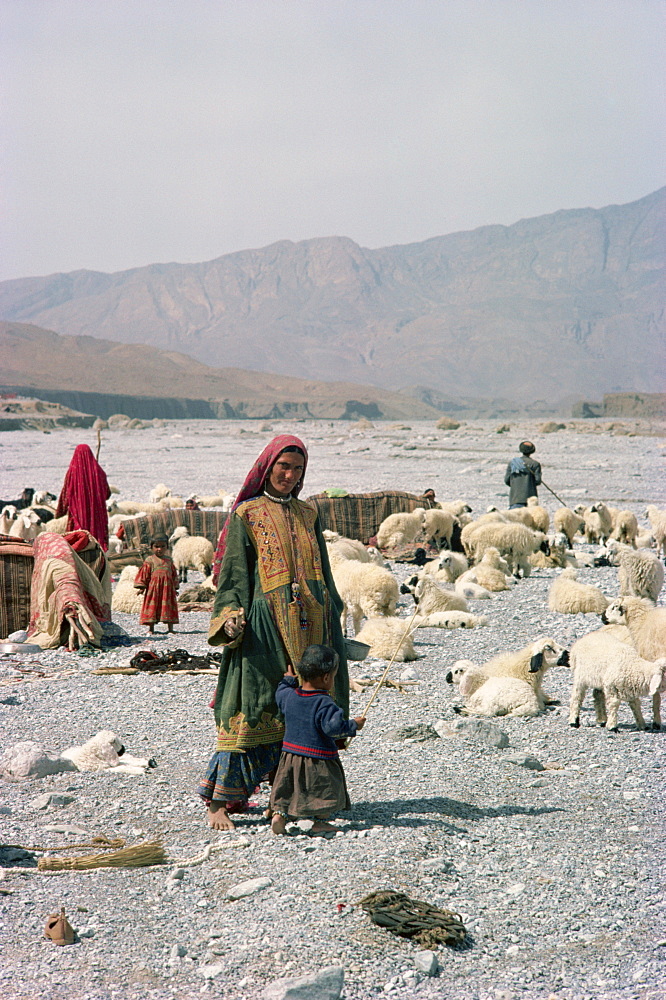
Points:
[(624, 660)]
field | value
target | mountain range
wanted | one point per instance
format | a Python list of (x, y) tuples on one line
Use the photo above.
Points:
[(564, 305)]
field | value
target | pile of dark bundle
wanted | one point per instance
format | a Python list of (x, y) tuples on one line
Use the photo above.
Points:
[(175, 659), (415, 919)]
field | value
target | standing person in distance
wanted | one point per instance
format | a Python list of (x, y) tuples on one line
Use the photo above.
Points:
[(522, 476)]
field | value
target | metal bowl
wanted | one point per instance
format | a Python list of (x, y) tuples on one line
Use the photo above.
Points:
[(356, 650)]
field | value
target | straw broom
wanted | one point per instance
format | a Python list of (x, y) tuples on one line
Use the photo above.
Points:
[(139, 856)]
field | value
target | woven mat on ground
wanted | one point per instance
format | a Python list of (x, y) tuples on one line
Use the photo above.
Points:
[(206, 523), (415, 919), (358, 515)]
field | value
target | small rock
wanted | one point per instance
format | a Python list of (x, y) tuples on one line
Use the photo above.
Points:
[(525, 760), (426, 961), (249, 887), (50, 799), (324, 985), (30, 760), (515, 890), (513, 949), (61, 828), (211, 971), (419, 732), (481, 731)]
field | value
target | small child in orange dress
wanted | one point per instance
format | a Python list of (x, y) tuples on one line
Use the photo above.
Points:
[(158, 578)]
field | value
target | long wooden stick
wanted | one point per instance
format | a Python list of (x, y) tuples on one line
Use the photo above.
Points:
[(390, 664), (554, 493)]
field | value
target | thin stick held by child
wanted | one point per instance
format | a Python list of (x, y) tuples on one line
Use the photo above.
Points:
[(158, 581), (309, 781)]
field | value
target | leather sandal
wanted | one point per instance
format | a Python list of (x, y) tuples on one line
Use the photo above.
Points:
[(59, 929)]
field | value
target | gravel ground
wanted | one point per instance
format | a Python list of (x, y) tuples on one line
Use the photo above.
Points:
[(556, 873)]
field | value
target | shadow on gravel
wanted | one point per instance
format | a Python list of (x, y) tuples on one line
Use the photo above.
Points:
[(409, 812)]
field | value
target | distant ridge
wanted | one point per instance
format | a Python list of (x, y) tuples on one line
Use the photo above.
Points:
[(569, 304), (101, 377)]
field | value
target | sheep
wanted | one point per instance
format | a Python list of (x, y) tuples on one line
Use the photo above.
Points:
[(640, 572), (105, 752), (598, 523), (471, 591), (520, 514), (190, 552), (498, 696), (624, 527), (450, 619), (125, 598), (7, 518), (203, 592), (617, 673), (115, 546), (26, 526), (167, 503), (448, 566), (58, 525), (559, 554), (158, 492), (365, 589), (569, 597), (487, 573), (459, 508), (398, 529), (339, 547), (540, 515), (386, 635), (438, 527), (645, 539), (568, 522), (132, 507), (529, 664), (657, 519), (646, 623), (430, 596), (221, 499), (515, 542)]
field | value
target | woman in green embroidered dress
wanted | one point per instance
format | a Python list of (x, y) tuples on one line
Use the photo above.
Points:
[(275, 596)]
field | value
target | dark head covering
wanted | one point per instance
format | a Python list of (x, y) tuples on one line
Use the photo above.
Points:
[(254, 484), (526, 447), (159, 539), (84, 494)]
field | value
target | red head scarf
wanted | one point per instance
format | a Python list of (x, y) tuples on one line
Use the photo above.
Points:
[(254, 484), (84, 494)]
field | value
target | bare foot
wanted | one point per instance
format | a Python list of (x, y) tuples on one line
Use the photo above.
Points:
[(268, 813), (151, 630), (320, 826), (219, 818), (170, 629), (279, 824)]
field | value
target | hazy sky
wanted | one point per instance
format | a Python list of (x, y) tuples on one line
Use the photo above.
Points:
[(144, 131)]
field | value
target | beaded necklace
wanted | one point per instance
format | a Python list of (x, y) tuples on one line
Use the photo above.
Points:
[(269, 496)]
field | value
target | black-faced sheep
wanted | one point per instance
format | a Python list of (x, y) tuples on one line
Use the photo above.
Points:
[(529, 664), (646, 624), (105, 752), (616, 673), (569, 597), (190, 552), (365, 589), (568, 522), (431, 596)]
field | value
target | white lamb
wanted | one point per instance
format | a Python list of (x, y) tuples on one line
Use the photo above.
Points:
[(385, 635), (125, 598), (448, 566), (26, 526), (540, 515), (471, 591), (7, 518), (514, 541), (221, 499), (365, 589), (625, 527), (487, 573), (568, 522), (616, 673), (438, 527), (497, 696), (450, 619), (569, 597), (598, 523), (657, 519), (646, 624), (158, 492), (640, 571), (339, 547), (401, 528), (432, 596), (529, 664), (105, 752), (190, 552)]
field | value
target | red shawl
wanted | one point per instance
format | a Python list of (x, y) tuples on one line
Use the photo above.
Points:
[(254, 484), (84, 494)]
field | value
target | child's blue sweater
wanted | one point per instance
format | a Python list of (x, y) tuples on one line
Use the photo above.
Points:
[(312, 720)]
